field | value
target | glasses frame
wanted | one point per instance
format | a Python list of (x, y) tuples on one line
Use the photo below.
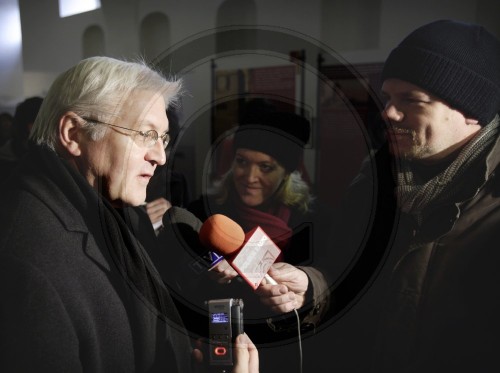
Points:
[(165, 137)]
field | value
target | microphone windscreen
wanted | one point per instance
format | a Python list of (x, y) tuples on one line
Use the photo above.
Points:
[(222, 234)]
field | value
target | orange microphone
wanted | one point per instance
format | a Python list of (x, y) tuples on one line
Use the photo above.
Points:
[(250, 255)]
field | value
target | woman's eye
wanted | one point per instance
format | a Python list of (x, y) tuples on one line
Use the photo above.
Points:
[(240, 161), (266, 168)]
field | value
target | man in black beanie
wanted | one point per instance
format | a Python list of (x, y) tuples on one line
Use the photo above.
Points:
[(442, 91), (436, 299)]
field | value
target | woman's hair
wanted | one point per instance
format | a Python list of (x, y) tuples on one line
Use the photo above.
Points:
[(97, 87), (293, 191)]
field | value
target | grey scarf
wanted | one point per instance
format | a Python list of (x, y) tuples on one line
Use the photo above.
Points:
[(414, 197)]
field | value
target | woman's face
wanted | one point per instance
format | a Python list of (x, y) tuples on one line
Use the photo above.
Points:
[(256, 176)]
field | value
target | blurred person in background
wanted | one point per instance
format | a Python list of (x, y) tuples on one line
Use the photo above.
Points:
[(17, 146)]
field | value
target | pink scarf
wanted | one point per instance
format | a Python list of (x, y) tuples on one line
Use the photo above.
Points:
[(274, 224)]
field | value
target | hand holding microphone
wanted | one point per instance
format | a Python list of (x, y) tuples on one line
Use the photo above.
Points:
[(285, 298), (222, 272), (250, 256), (226, 237)]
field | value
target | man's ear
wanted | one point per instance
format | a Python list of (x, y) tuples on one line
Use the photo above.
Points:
[(69, 134)]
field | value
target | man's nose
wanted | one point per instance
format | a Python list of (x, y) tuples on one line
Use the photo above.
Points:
[(157, 153), (391, 112)]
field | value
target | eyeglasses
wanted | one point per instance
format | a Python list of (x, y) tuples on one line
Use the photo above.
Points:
[(149, 138)]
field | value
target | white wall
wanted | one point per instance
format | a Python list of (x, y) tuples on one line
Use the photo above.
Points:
[(52, 44), (11, 61)]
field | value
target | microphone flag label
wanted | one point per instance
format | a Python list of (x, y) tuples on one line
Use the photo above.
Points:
[(255, 257), (214, 258)]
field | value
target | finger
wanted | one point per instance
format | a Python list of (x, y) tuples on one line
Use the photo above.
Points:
[(197, 356), (271, 290), (227, 275), (154, 210), (154, 217), (159, 209), (153, 205), (253, 366), (160, 204), (230, 272), (285, 308), (220, 267), (246, 355), (241, 355), (225, 269), (221, 277), (284, 302)]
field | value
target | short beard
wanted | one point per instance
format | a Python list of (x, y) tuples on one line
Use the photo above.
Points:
[(417, 150)]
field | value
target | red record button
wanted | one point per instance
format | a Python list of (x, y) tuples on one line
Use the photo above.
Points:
[(220, 351)]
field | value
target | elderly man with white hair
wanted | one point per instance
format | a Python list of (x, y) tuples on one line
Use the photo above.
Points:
[(79, 292)]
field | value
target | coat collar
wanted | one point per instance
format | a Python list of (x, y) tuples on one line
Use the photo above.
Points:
[(50, 193), (493, 158)]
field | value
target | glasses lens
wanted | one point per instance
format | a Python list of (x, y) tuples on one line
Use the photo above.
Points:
[(150, 138)]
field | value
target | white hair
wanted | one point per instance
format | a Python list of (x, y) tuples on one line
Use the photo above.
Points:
[(97, 87)]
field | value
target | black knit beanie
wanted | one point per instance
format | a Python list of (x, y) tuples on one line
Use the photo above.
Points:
[(281, 135), (457, 62)]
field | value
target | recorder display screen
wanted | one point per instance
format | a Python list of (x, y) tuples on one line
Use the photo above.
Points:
[(219, 318)]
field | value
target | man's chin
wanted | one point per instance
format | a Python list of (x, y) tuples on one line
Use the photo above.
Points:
[(404, 153), (398, 151), (135, 200)]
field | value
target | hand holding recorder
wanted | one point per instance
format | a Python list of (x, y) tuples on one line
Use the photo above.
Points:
[(246, 356)]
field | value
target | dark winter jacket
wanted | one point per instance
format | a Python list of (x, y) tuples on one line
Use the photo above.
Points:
[(432, 298), (443, 304)]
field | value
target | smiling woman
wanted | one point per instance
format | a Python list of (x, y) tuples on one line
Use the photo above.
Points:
[(256, 176), (264, 187)]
